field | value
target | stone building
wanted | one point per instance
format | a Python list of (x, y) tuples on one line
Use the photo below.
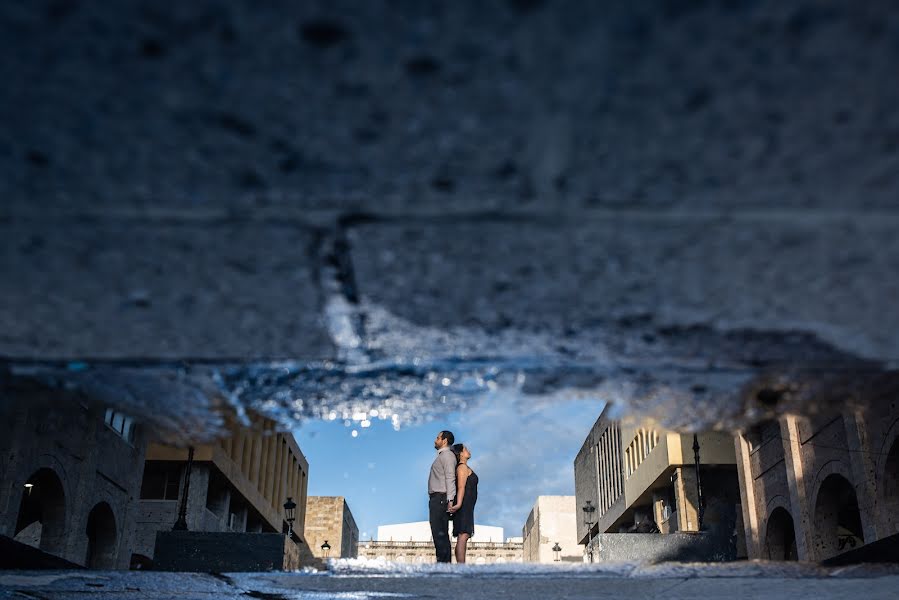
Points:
[(553, 520), (420, 531), (419, 552), (70, 471), (639, 479), (329, 519), (412, 543), (815, 487), (238, 484)]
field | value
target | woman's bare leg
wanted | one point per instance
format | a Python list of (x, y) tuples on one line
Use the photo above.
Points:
[(461, 544)]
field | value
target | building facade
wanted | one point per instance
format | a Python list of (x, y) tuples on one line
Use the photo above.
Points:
[(70, 469), (813, 488), (239, 484), (329, 519), (638, 478), (479, 553), (412, 543), (552, 521), (420, 531)]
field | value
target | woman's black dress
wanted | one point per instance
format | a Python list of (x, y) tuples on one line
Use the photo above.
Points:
[(463, 521)]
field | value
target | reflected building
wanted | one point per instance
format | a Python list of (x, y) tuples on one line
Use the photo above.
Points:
[(238, 484), (816, 487), (83, 485), (412, 543), (641, 479), (552, 523), (70, 470), (330, 522)]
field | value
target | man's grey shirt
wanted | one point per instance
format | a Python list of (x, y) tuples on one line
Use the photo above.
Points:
[(443, 474)]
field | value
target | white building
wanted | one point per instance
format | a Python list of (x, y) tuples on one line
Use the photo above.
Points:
[(411, 543), (420, 531), (552, 521)]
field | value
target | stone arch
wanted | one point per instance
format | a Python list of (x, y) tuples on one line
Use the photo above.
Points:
[(41, 520), (780, 536), (102, 536), (837, 518), (778, 501)]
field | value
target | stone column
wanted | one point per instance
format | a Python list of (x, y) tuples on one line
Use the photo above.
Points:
[(196, 499), (78, 508), (285, 462), (14, 473), (240, 523), (302, 491), (257, 457), (277, 473), (747, 498), (800, 509), (686, 499), (236, 441), (223, 508), (864, 471), (269, 492)]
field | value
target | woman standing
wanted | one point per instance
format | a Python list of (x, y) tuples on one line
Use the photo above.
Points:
[(466, 497)]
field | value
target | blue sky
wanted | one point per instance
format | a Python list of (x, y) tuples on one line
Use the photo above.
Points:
[(522, 447)]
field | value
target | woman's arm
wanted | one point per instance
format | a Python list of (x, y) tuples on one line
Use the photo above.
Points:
[(461, 476)]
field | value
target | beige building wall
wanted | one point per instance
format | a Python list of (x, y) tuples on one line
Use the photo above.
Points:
[(550, 522), (813, 488), (239, 483), (626, 469), (478, 553), (328, 519)]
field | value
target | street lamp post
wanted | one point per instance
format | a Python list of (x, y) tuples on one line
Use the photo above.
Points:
[(290, 508), (589, 520), (557, 552), (700, 501), (326, 549), (181, 523)]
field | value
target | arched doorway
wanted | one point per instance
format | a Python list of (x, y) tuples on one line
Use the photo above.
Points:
[(42, 513), (101, 538), (890, 487), (780, 537), (838, 523)]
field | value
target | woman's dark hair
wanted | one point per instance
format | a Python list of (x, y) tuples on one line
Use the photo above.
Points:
[(457, 450)]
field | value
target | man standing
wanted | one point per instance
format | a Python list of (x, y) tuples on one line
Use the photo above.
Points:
[(442, 494)]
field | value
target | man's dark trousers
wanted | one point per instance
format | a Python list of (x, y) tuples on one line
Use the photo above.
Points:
[(440, 527)]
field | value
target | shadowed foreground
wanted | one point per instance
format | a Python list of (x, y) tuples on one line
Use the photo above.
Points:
[(367, 579)]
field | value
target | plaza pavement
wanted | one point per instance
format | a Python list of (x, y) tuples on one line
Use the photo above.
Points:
[(369, 580)]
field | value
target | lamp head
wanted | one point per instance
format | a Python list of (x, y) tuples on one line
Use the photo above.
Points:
[(290, 508)]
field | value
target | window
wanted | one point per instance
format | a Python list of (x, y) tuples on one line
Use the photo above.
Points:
[(120, 423), (162, 480)]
